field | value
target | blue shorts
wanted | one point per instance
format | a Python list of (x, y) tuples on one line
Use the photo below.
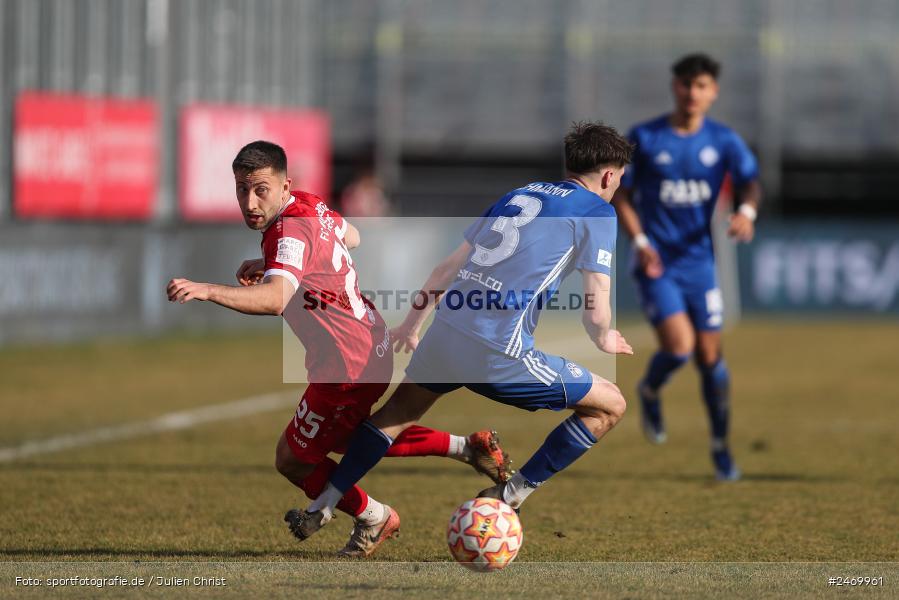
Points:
[(447, 359), (692, 290)]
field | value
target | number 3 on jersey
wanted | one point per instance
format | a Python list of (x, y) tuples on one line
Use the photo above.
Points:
[(508, 228)]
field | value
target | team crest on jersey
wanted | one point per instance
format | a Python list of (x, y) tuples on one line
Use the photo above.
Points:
[(708, 156), (575, 370), (604, 257), (663, 158)]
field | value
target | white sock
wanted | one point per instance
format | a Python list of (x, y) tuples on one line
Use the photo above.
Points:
[(458, 448), (326, 502), (373, 513), (517, 489)]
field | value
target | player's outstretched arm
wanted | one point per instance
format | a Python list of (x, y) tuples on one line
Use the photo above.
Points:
[(597, 316), (267, 298), (406, 334), (742, 222), (649, 259)]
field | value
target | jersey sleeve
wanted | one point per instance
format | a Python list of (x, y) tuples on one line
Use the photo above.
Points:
[(741, 161), (594, 242), (288, 249), (630, 174), (472, 231)]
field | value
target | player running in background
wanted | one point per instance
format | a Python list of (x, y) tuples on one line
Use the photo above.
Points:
[(666, 202), (526, 244), (306, 274)]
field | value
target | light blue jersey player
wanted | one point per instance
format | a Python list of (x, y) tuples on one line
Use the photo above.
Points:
[(517, 255), (510, 263), (666, 201)]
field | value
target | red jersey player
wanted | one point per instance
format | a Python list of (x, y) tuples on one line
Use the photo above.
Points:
[(307, 276)]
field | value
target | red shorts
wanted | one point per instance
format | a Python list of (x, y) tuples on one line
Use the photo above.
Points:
[(327, 416)]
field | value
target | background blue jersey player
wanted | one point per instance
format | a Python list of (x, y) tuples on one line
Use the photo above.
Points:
[(512, 260), (680, 162)]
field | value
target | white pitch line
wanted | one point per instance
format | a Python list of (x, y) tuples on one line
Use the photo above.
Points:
[(168, 422), (222, 412)]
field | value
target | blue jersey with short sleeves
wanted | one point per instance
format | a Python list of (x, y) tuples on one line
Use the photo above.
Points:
[(523, 247), (676, 179)]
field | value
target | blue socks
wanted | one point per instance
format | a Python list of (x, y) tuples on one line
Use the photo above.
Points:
[(715, 387), (662, 365), (367, 447), (564, 445), (715, 392)]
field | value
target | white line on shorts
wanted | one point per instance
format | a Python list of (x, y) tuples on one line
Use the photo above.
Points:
[(168, 422)]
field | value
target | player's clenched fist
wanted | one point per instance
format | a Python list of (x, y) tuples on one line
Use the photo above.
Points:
[(251, 271), (185, 290), (650, 262), (741, 228)]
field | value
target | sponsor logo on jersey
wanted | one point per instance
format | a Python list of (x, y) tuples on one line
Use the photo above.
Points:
[(487, 281), (604, 258), (685, 192), (325, 220), (384, 346), (575, 370), (290, 252), (663, 158), (708, 156)]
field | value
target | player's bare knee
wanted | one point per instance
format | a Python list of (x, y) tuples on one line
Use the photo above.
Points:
[(287, 464), (683, 345), (604, 402), (292, 470), (283, 456), (405, 407), (707, 355), (613, 405), (616, 404)]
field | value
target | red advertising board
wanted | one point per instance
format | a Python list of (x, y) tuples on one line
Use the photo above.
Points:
[(211, 135), (84, 158)]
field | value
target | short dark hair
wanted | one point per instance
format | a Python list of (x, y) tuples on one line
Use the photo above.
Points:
[(589, 146), (694, 65), (259, 155)]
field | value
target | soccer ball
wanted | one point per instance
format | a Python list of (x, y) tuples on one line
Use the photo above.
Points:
[(484, 534)]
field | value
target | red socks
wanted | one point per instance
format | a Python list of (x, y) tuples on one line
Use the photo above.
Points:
[(352, 503), (420, 441)]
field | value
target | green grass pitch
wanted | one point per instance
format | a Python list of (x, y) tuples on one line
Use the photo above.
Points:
[(815, 415)]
